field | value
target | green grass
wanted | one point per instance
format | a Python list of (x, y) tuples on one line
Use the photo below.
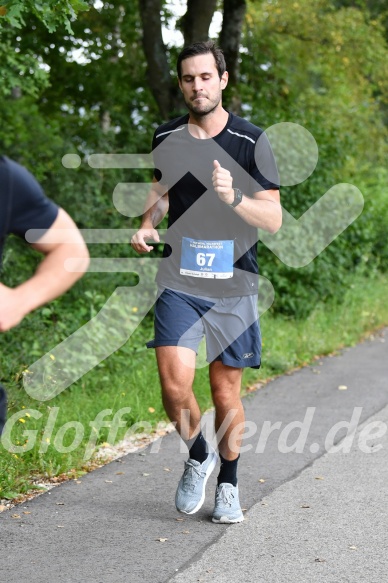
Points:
[(289, 344), (129, 379)]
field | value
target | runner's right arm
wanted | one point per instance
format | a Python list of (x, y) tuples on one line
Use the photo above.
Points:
[(155, 210)]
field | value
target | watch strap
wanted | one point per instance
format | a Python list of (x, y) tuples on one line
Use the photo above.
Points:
[(237, 197)]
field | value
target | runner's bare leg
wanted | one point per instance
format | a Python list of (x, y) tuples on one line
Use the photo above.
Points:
[(176, 366), (225, 382)]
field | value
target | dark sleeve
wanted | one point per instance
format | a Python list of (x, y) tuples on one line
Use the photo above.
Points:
[(263, 168), (30, 207), (157, 172)]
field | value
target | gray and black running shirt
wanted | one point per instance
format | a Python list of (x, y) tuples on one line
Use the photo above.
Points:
[(184, 165)]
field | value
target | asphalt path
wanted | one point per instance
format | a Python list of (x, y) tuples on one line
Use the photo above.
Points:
[(308, 511), (328, 525)]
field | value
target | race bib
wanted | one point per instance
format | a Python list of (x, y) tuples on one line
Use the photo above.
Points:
[(211, 259)]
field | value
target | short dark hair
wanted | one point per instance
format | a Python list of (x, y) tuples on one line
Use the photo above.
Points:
[(202, 48)]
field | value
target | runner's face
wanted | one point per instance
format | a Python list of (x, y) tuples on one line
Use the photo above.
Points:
[(201, 85)]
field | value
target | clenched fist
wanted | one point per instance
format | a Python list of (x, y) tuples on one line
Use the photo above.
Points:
[(223, 183)]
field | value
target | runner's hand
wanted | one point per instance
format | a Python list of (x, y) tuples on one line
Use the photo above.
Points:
[(139, 239), (11, 308), (223, 183)]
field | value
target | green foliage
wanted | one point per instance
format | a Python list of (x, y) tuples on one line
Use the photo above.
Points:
[(20, 72), (24, 71), (50, 12), (323, 65), (29, 137), (326, 70)]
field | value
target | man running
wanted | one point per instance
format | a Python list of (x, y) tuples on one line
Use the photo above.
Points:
[(24, 206), (215, 177)]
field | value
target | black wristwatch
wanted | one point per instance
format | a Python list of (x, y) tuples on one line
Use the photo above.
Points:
[(237, 197)]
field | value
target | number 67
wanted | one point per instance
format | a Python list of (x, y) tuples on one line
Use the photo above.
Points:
[(201, 259)]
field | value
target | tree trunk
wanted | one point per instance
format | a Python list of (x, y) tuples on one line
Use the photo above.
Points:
[(230, 38), (196, 21), (158, 72), (195, 27)]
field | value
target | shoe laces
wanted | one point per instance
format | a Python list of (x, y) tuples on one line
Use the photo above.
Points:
[(192, 473), (225, 494)]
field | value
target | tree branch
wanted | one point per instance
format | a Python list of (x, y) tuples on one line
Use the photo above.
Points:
[(196, 21)]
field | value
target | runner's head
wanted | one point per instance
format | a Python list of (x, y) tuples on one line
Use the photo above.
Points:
[(202, 48), (202, 78)]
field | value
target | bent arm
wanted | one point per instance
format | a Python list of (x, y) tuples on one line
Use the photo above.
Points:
[(262, 211), (156, 209), (51, 278)]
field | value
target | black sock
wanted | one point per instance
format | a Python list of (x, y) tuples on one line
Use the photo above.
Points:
[(228, 471), (198, 450)]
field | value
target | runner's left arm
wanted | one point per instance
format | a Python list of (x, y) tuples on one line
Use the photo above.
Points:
[(262, 210)]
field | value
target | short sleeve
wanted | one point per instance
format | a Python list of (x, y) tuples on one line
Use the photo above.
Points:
[(157, 171), (264, 170), (30, 208)]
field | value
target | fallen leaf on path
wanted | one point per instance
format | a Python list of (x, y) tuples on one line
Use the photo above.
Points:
[(305, 506), (119, 473), (353, 548), (2, 508), (167, 469), (319, 560), (26, 512), (342, 388), (261, 481), (145, 474), (179, 519), (162, 540), (15, 516), (319, 478), (109, 481)]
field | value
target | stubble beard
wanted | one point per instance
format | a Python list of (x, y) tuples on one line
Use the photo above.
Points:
[(199, 112)]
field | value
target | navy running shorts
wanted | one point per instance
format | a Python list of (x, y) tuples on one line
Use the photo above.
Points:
[(230, 326)]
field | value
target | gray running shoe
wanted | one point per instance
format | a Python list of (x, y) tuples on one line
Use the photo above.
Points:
[(190, 494), (227, 508)]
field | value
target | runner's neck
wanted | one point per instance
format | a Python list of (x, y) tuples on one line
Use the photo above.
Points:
[(208, 126)]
